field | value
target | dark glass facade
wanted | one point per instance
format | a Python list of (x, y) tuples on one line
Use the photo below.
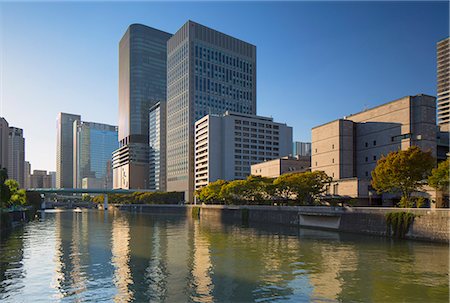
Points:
[(142, 79), (142, 84)]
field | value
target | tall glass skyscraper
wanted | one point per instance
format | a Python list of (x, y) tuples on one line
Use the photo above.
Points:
[(64, 149), (93, 146), (142, 84), (157, 142), (208, 72)]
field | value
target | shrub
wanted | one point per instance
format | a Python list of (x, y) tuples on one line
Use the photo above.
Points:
[(398, 223)]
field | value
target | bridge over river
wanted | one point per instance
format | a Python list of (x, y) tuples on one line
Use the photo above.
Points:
[(103, 191)]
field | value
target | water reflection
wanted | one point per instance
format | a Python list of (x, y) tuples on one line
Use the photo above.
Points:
[(95, 256), (120, 248)]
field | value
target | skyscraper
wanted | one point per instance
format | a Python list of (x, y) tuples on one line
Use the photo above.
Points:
[(301, 148), (142, 84), (16, 155), (27, 175), (64, 149), (157, 142), (208, 72), (4, 143), (443, 83), (93, 146)]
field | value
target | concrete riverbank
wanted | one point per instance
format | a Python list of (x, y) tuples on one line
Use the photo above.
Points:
[(428, 224)]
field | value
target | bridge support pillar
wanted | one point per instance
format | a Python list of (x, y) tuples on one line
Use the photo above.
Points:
[(43, 204), (105, 201)]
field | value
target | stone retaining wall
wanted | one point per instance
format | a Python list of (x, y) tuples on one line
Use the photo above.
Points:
[(428, 224)]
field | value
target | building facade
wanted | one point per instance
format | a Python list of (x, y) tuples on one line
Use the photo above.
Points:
[(93, 146), (227, 145), (4, 143), (157, 142), (443, 84), (27, 175), (142, 84), (348, 149), (53, 178), (277, 167), (16, 155), (208, 72), (40, 179), (301, 149), (64, 149)]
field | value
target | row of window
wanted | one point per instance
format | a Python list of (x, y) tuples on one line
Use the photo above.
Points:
[(260, 130), (222, 58), (255, 141), (255, 146), (245, 122)]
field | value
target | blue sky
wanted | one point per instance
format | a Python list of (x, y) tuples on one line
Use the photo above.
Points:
[(316, 61)]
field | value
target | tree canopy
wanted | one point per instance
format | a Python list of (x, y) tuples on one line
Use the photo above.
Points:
[(17, 196), (293, 188), (439, 178), (402, 171)]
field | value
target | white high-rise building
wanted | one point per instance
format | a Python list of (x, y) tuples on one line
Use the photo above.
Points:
[(227, 145)]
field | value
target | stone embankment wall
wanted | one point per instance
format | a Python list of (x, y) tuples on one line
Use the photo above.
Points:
[(429, 224)]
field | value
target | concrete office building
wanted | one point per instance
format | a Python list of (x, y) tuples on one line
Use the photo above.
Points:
[(348, 149), (157, 142), (277, 167), (443, 83), (27, 174), (227, 145), (53, 178), (301, 149), (142, 84), (93, 146), (16, 155), (4, 143), (208, 72), (40, 179), (64, 149)]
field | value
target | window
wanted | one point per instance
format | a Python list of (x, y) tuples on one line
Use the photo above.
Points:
[(316, 150), (367, 173), (367, 159), (367, 144), (374, 142), (374, 158), (332, 160), (316, 163), (332, 147)]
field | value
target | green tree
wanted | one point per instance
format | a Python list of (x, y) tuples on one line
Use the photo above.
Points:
[(302, 188), (17, 196), (5, 194), (259, 188), (211, 192), (234, 192), (439, 178), (402, 171)]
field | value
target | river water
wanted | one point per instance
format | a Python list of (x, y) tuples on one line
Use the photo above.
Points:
[(94, 256)]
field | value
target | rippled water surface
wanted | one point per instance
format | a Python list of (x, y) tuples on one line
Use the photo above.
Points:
[(92, 256)]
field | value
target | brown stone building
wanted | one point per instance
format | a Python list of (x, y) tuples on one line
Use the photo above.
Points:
[(348, 149), (276, 167)]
